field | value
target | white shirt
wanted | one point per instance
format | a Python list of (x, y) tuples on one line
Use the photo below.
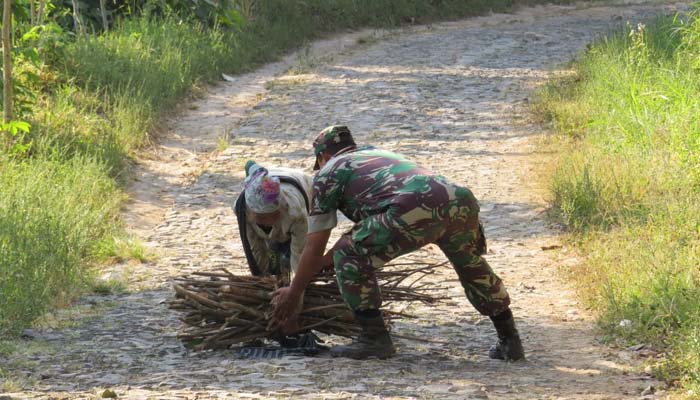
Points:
[(293, 220)]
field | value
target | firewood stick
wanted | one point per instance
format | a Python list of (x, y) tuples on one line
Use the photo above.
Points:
[(200, 299), (319, 308), (416, 338), (248, 310)]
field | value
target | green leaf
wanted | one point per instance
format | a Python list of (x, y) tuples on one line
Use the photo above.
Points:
[(14, 127), (32, 34)]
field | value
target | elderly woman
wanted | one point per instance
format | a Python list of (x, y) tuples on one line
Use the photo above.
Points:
[(272, 213)]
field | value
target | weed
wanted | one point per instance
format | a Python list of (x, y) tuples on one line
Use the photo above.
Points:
[(120, 248), (367, 39), (110, 286), (305, 62), (221, 144), (10, 385)]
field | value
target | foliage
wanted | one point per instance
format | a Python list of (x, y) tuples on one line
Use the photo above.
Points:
[(628, 183), (16, 145)]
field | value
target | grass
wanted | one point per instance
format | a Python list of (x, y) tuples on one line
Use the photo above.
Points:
[(50, 215), (367, 40), (121, 248), (221, 144), (110, 286), (627, 184), (94, 99), (10, 385), (305, 62), (143, 68)]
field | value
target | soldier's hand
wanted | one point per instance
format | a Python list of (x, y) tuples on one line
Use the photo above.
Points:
[(284, 306)]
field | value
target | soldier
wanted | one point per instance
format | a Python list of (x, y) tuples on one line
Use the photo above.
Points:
[(397, 207), (272, 213)]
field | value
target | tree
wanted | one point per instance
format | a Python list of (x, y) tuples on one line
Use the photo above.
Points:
[(7, 61)]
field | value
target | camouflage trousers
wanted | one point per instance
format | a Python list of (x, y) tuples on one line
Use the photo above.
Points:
[(452, 225)]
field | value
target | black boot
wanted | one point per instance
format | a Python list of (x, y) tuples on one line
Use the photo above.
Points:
[(508, 347), (374, 340)]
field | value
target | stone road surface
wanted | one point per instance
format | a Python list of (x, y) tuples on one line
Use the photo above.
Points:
[(452, 96)]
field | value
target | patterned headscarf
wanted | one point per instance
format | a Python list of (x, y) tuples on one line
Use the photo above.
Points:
[(262, 192)]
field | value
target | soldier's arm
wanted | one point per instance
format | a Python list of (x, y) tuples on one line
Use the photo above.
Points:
[(298, 232), (310, 261), (327, 190), (287, 298)]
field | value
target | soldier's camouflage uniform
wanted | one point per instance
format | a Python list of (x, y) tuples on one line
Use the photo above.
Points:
[(399, 207)]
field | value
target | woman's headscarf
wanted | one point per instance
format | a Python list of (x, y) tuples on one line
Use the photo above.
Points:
[(262, 192)]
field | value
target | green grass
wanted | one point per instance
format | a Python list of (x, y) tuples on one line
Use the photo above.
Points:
[(142, 68), (628, 183), (95, 99), (50, 215)]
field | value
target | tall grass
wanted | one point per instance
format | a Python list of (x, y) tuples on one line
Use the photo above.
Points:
[(628, 183), (50, 215)]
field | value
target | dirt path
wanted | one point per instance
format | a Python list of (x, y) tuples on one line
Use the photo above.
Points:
[(452, 96)]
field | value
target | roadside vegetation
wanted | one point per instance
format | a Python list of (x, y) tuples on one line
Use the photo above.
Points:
[(627, 184), (91, 80)]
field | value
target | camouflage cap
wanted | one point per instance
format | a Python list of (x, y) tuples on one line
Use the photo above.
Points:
[(333, 137)]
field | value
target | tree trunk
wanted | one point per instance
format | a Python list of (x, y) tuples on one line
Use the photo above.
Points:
[(32, 17), (105, 25), (77, 23), (40, 13), (7, 61)]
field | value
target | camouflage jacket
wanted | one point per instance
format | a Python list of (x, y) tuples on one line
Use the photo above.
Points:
[(369, 181)]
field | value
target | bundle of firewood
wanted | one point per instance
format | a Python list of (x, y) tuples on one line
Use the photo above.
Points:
[(222, 309)]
